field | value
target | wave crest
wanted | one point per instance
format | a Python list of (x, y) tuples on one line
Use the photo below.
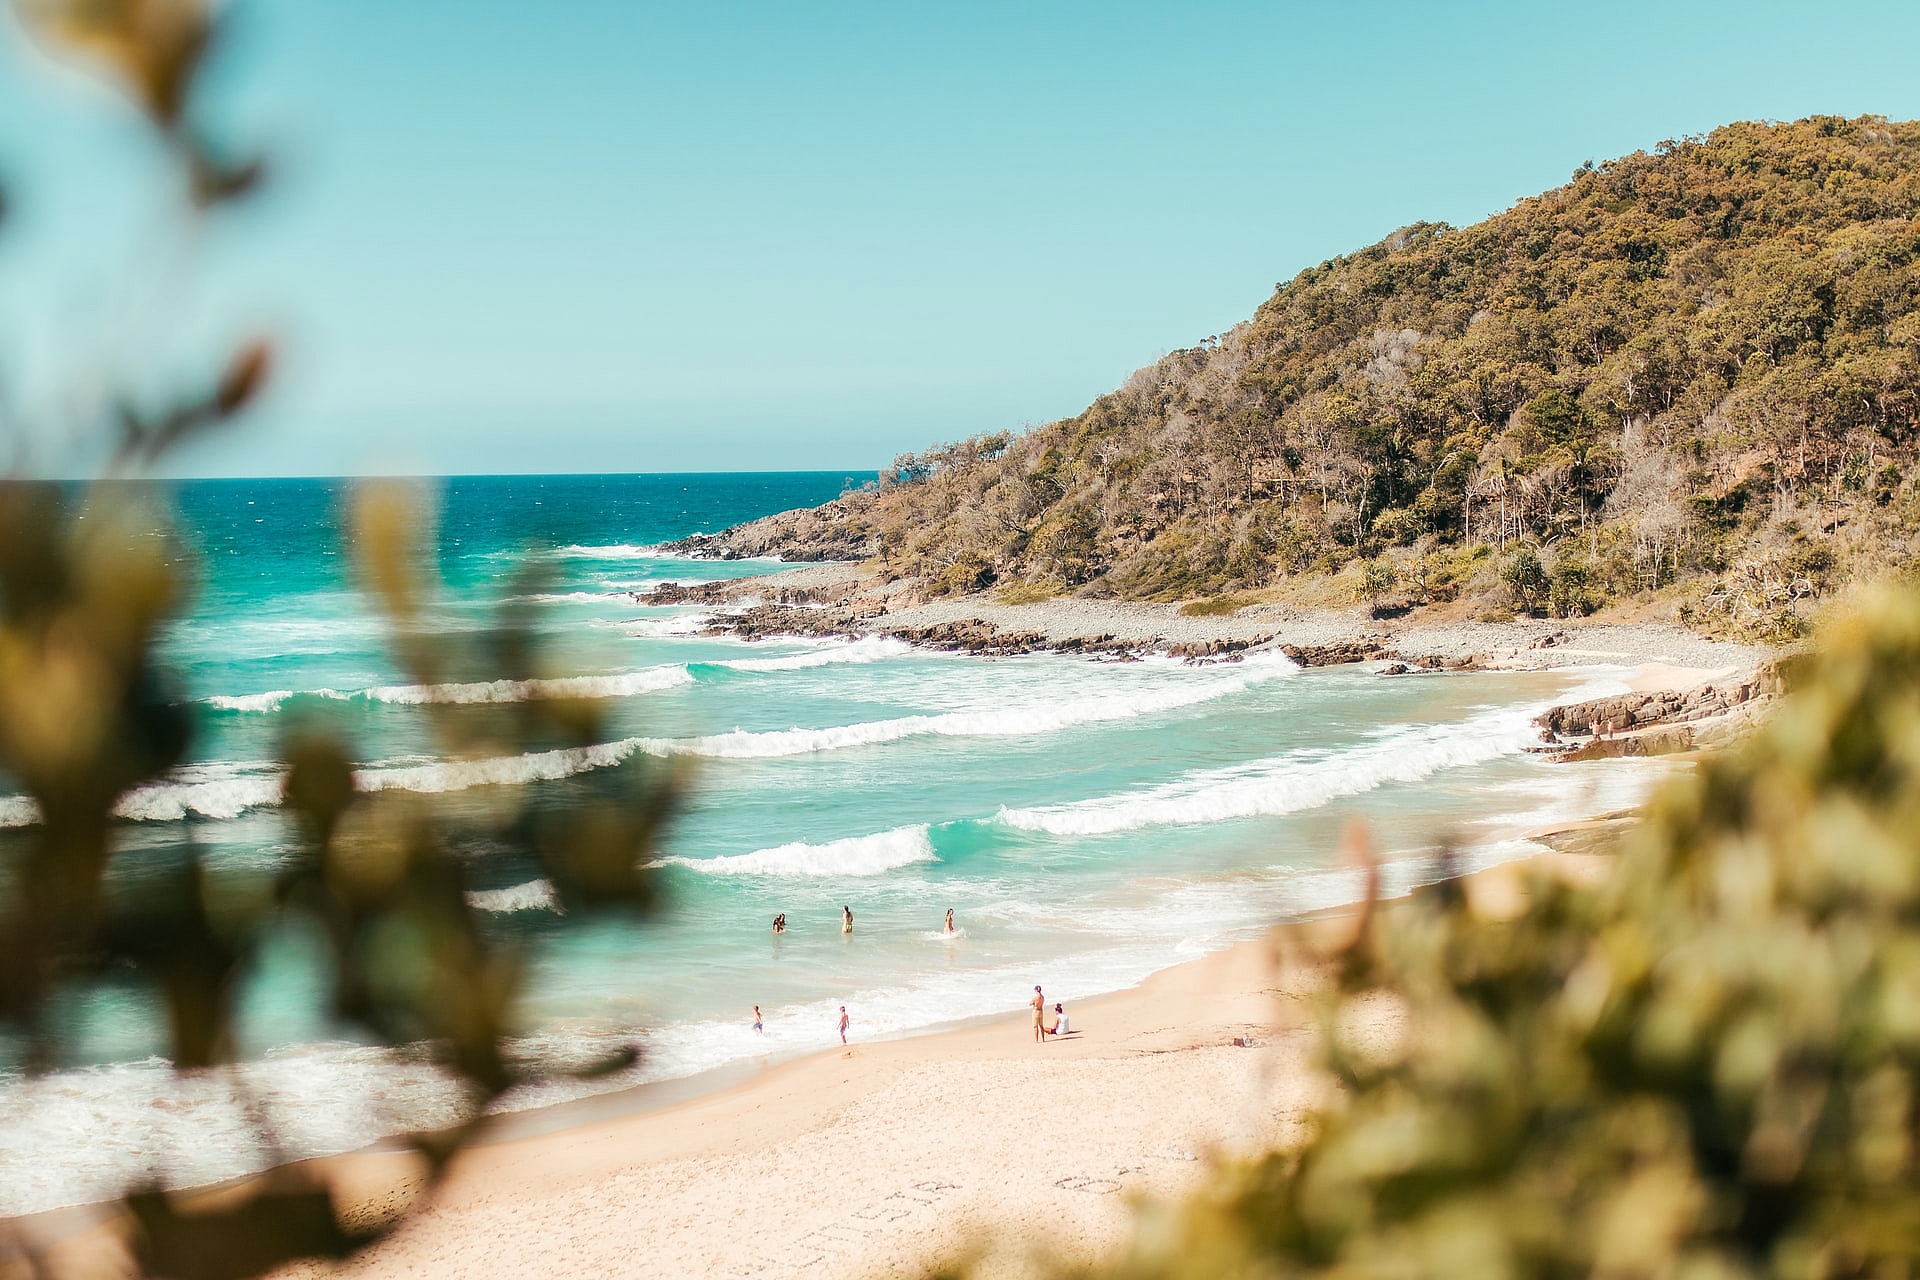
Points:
[(534, 895), (742, 744), (866, 649), (1290, 783), (622, 685), (854, 856)]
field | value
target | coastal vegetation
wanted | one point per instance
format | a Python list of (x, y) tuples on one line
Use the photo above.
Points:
[(367, 894), (1690, 374), (1705, 1064)]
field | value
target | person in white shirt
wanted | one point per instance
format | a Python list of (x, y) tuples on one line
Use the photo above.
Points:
[(1059, 1026)]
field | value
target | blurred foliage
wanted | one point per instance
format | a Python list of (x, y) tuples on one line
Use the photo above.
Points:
[(1692, 364), (89, 581), (1705, 1065)]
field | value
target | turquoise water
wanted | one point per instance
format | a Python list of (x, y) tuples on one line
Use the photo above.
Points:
[(1088, 822)]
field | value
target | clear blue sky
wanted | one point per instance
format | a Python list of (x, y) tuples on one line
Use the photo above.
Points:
[(604, 236)]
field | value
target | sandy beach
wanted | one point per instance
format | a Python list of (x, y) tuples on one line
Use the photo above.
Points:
[(885, 1158)]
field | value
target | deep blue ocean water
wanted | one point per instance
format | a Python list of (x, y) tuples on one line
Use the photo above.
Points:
[(1088, 822)]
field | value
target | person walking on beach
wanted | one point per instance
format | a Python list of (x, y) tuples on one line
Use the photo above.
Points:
[(780, 923), (757, 1028), (846, 919), (949, 928), (843, 1024), (1039, 1016)]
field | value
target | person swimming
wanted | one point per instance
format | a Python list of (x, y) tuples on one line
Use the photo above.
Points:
[(780, 923), (756, 1020), (949, 926), (846, 919), (843, 1024)]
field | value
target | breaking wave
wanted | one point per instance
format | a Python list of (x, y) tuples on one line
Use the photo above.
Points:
[(624, 685), (534, 895), (1289, 783), (867, 649), (853, 856), (743, 744)]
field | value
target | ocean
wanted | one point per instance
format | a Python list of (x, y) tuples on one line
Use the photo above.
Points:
[(1088, 822)]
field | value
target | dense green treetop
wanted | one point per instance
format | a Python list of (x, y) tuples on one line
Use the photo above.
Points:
[(1699, 364)]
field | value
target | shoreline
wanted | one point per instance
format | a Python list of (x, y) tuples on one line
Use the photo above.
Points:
[(834, 599), (592, 1141), (885, 1158), (890, 1157)]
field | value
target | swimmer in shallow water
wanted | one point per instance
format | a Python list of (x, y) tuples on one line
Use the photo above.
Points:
[(949, 927), (756, 1020), (780, 923), (846, 919), (843, 1024)]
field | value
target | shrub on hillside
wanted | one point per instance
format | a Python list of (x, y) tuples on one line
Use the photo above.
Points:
[(1706, 1066)]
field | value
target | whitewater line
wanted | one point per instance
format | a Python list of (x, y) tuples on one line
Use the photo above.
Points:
[(1288, 783)]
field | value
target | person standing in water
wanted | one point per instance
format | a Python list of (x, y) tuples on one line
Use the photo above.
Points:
[(780, 923), (949, 928), (757, 1028), (846, 919), (843, 1024), (1039, 1016)]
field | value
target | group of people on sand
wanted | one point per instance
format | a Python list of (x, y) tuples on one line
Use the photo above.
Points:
[(1043, 1026)]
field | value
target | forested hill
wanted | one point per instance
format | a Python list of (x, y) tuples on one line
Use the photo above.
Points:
[(1691, 374)]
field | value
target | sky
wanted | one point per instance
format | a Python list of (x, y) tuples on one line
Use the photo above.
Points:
[(589, 236)]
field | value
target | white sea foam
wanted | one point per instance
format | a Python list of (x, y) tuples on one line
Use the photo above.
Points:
[(1009, 722), (854, 856), (534, 895), (210, 791), (622, 685), (18, 811), (1290, 783), (866, 649), (614, 551), (260, 702), (493, 771), (684, 624)]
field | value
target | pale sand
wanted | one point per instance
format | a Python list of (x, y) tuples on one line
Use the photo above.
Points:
[(1658, 677), (885, 1158)]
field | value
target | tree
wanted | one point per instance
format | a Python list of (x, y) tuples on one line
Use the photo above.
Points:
[(1377, 577), (1524, 578)]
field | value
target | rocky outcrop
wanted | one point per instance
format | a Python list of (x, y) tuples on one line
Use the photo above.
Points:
[(764, 620), (1626, 711), (831, 532), (1335, 654), (1215, 648)]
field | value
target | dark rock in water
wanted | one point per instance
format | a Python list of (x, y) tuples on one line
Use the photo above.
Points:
[(1397, 669), (1336, 654), (680, 593), (1221, 650)]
